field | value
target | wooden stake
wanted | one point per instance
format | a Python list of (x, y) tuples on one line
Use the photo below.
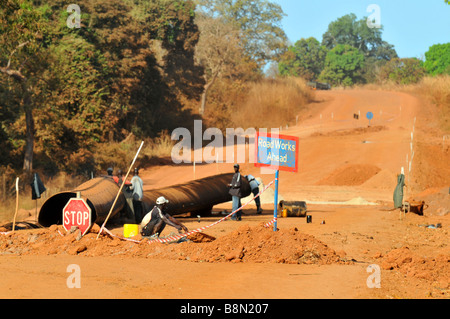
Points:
[(120, 190), (17, 204)]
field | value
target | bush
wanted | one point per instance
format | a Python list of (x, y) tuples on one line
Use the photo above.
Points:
[(272, 103), (402, 71), (438, 59)]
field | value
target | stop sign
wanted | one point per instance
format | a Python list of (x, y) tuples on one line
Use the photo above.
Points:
[(77, 213)]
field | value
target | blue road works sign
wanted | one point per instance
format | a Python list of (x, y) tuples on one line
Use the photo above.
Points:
[(279, 152), (369, 116)]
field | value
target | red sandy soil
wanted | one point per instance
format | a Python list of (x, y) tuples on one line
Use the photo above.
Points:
[(341, 159)]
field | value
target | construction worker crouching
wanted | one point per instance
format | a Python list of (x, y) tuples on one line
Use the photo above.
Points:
[(157, 219)]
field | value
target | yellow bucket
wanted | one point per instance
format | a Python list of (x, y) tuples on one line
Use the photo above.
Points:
[(130, 230)]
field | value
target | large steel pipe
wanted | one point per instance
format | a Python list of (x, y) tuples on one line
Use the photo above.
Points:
[(198, 197), (99, 194), (195, 197)]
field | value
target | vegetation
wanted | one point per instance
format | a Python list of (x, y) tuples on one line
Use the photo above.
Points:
[(438, 59), (342, 65), (78, 99)]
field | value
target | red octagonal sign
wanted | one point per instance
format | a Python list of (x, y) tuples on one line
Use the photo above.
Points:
[(77, 213)]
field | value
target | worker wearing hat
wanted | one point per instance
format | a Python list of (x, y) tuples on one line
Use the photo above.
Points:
[(236, 193), (157, 219)]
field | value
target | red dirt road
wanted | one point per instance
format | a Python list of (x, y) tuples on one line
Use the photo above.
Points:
[(341, 160)]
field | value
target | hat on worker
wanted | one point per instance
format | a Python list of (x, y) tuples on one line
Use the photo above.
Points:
[(162, 200), (236, 166)]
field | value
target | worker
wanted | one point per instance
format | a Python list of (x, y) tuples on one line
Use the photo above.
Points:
[(156, 220), (119, 178), (137, 186), (254, 186), (110, 171), (236, 193)]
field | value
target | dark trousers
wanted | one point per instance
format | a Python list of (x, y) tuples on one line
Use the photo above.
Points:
[(255, 192), (236, 206), (138, 211)]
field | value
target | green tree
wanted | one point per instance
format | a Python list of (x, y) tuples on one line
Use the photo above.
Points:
[(306, 58), (350, 31), (403, 71), (24, 36), (126, 69), (342, 65), (438, 59)]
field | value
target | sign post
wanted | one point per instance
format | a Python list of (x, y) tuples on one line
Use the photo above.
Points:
[(370, 117), (275, 210), (277, 152)]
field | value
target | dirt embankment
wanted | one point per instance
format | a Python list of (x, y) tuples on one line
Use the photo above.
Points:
[(246, 244)]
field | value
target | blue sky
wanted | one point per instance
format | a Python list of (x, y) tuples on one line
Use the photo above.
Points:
[(412, 26)]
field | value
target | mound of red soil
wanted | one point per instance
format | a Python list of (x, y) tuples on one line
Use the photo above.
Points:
[(437, 201), (262, 245), (350, 175), (412, 265), (246, 244)]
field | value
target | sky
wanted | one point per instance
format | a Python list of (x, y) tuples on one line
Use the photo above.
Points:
[(412, 26)]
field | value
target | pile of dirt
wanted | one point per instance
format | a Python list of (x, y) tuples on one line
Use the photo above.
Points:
[(437, 201), (436, 269), (262, 245), (350, 175), (385, 180), (246, 244)]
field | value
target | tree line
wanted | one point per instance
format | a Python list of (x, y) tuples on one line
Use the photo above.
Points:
[(351, 52), (131, 67)]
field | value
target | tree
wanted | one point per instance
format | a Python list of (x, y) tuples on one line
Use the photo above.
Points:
[(23, 39), (126, 69), (347, 30), (438, 59), (342, 65), (259, 21), (403, 71), (218, 50), (305, 59)]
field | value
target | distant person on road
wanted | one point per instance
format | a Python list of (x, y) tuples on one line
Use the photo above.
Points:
[(236, 193), (137, 186), (156, 220), (254, 185), (109, 171)]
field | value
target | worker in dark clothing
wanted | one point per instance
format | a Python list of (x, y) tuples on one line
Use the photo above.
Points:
[(157, 219), (110, 171), (235, 192)]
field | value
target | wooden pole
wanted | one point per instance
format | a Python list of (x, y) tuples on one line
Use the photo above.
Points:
[(17, 204), (120, 190)]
